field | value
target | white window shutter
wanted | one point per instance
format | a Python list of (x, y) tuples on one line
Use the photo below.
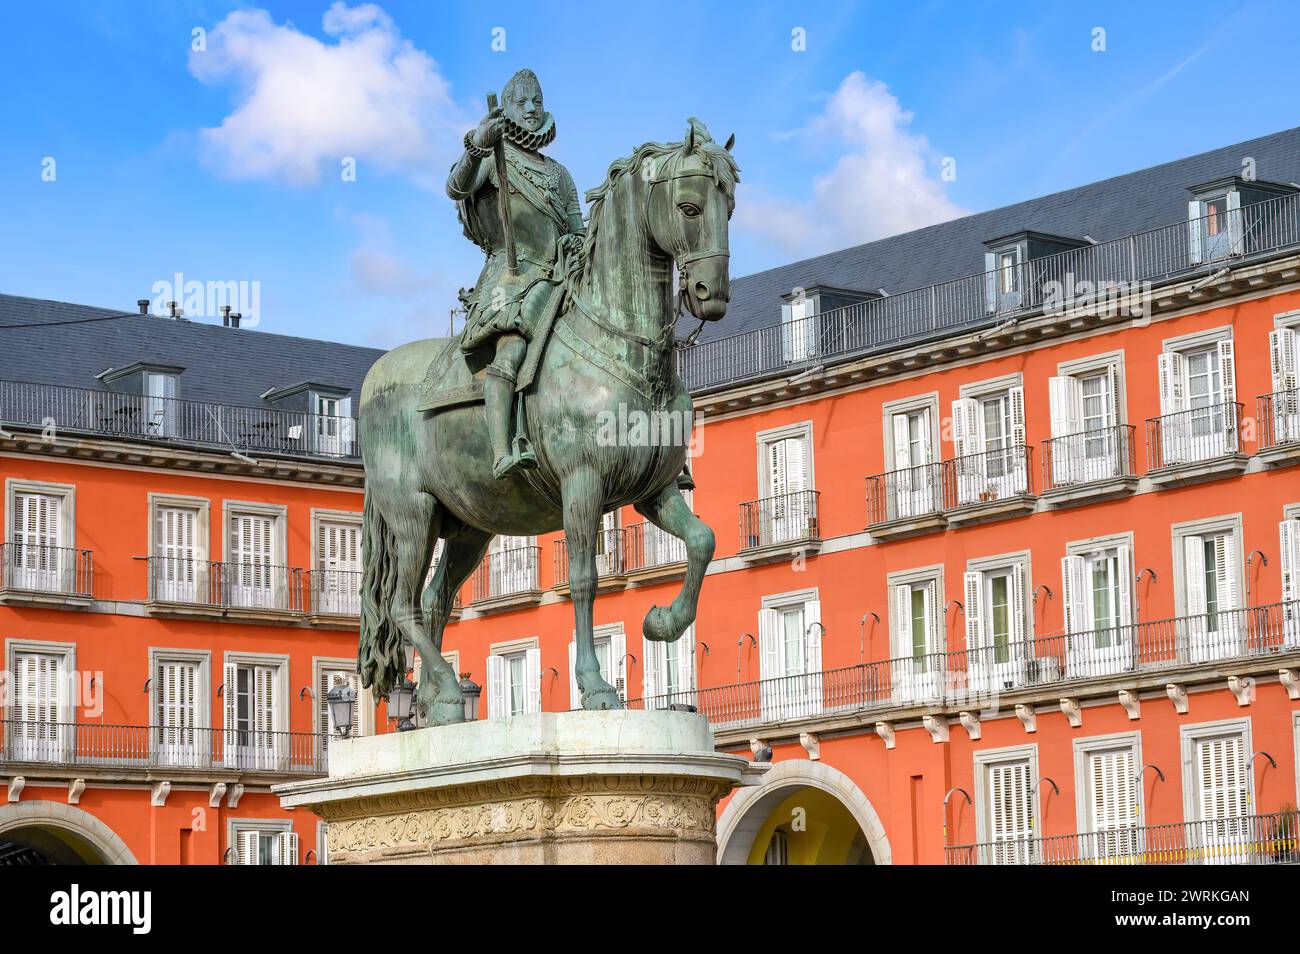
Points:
[(973, 583), (618, 661), (575, 694), (934, 635), (1194, 571), (652, 659), (903, 620), (1063, 393), (990, 282), (1290, 537), (1225, 570), (965, 426), (498, 705), (1074, 594), (1228, 374), (1016, 399), (1115, 391), (1113, 783), (902, 444), (1169, 366), (1124, 564), (287, 846), (1011, 794), (1019, 613), (533, 673), (769, 645), (686, 659), (248, 848), (1195, 228), (229, 700), (1282, 358), (1235, 234), (813, 614), (1223, 778), (776, 469)]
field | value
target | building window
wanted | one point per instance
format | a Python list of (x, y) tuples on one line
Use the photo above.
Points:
[(178, 567), (916, 486), (798, 330), (1214, 227), (1086, 442), (1109, 795), (778, 849), (669, 671), (42, 709), (336, 585), (266, 844), (254, 575), (1289, 532), (1218, 788), (1097, 595), (253, 694), (786, 511), (181, 734), (997, 629), (160, 403), (1002, 279), (1198, 403), (332, 428), (41, 554), (790, 644), (611, 651), (1284, 364), (1006, 805), (514, 675), (916, 666), (988, 433), (1208, 562)]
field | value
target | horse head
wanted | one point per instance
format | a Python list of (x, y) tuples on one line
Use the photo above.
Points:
[(691, 195)]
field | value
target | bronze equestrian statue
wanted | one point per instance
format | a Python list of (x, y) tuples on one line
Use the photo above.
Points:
[(499, 431)]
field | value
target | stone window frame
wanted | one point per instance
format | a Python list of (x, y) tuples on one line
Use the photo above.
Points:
[(236, 825), (1187, 737), (934, 573), (1196, 340), (1001, 561), (70, 690), (1099, 364), (366, 704), (280, 661), (1085, 746), (771, 435), (981, 761), (202, 506), (1178, 531), (203, 689), (68, 509), (280, 512), (988, 387), (919, 402)]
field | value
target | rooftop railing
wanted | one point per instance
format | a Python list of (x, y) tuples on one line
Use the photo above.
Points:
[(37, 568), (1246, 840), (95, 744), (505, 572), (989, 298), (176, 421)]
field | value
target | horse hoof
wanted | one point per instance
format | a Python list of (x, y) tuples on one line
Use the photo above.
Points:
[(658, 625)]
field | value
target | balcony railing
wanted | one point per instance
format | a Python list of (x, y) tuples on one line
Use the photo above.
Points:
[(172, 420), (1247, 840), (1187, 437), (506, 572), (1057, 282), (255, 586), (972, 676), (611, 552), (1087, 457), (991, 476), (149, 746), (909, 493), (786, 518), (647, 547), (36, 568), (334, 592), (1279, 419)]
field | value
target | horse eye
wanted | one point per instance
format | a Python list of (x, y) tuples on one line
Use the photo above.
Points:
[(688, 210)]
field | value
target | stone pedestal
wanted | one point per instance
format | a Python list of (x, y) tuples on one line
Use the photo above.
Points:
[(613, 787)]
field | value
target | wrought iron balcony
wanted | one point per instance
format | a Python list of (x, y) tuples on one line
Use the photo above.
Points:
[(991, 477), (1088, 457), (35, 570), (1279, 420), (1187, 438), (910, 494), (1055, 282), (93, 744), (784, 519), (263, 430), (334, 593), (1248, 840), (611, 558), (177, 582), (647, 548), (506, 573)]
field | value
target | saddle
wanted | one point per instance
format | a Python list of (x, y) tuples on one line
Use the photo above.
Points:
[(455, 378)]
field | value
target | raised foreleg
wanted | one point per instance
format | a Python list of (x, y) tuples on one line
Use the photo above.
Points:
[(669, 512)]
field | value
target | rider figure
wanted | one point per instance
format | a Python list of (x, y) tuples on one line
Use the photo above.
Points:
[(504, 310)]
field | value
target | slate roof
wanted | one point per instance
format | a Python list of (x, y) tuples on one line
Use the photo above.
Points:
[(235, 366), (1109, 209), (222, 365)]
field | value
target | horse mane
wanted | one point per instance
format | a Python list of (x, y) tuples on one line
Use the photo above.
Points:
[(716, 159)]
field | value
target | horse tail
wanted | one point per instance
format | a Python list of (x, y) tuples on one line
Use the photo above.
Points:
[(379, 651)]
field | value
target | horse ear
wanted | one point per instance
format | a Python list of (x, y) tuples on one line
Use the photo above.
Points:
[(731, 141), (690, 137)]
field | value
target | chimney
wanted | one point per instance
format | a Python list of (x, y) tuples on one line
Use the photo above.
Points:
[(234, 319), (225, 316), (172, 308), (143, 305)]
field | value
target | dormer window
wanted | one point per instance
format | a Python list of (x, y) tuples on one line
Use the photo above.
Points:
[(1002, 278), (160, 403), (1214, 227)]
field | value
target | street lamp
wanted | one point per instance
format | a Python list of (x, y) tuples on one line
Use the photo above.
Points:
[(340, 698), (400, 699), (470, 690)]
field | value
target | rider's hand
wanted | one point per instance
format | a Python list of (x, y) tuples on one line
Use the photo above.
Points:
[(490, 130)]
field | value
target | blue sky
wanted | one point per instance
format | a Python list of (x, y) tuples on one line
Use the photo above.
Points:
[(224, 163)]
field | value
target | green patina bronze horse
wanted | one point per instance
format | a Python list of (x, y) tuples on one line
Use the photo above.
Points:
[(609, 356)]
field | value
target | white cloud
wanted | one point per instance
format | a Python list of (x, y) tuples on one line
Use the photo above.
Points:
[(302, 105), (882, 184)]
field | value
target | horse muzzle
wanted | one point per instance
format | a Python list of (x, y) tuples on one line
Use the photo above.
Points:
[(706, 288)]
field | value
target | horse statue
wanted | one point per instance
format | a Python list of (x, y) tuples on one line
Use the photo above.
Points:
[(611, 348)]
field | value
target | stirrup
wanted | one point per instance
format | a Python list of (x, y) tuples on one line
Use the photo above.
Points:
[(524, 457)]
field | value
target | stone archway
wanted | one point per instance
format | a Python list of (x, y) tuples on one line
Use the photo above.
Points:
[(63, 833), (748, 810)]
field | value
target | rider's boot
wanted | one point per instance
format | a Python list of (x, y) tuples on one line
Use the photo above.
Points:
[(498, 396), (684, 480)]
